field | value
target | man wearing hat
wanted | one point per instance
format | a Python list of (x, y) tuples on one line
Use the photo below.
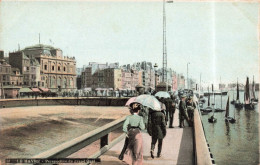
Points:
[(183, 112), (190, 108)]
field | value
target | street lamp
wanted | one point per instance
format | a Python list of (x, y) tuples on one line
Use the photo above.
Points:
[(188, 75), (155, 72)]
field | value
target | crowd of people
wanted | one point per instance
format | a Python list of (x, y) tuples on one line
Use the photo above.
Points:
[(155, 122)]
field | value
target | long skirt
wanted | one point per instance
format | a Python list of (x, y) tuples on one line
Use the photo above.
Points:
[(134, 152)]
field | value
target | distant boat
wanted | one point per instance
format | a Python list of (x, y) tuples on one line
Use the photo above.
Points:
[(254, 99), (227, 117), (207, 109), (212, 119), (248, 103), (238, 104), (215, 93), (220, 109), (224, 93)]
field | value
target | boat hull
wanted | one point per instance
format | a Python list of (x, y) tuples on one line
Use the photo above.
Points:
[(249, 106), (238, 105), (230, 120), (219, 110)]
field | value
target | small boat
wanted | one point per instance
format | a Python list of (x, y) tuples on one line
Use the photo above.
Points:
[(248, 103), (238, 104), (212, 119), (224, 93), (227, 117)]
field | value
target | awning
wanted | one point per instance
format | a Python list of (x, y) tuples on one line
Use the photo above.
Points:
[(36, 90), (44, 89), (25, 90)]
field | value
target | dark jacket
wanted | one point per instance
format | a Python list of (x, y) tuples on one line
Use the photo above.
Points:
[(183, 110), (156, 125), (171, 107)]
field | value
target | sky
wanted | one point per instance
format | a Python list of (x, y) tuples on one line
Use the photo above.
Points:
[(219, 40)]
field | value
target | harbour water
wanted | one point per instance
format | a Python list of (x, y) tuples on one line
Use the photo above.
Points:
[(233, 144)]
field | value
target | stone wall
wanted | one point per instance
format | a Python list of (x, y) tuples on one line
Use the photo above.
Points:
[(90, 101)]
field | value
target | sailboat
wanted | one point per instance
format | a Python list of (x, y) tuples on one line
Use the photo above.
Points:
[(233, 101), (254, 99), (248, 103), (208, 109), (220, 109), (238, 104), (212, 119), (227, 117)]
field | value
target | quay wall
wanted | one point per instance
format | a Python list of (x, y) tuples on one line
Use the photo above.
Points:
[(89, 101)]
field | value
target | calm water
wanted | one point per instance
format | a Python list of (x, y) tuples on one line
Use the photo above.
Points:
[(233, 144)]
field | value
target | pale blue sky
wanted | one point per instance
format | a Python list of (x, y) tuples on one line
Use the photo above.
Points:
[(127, 32)]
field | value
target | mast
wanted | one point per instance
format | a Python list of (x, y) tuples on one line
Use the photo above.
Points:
[(221, 99), (253, 88), (237, 91), (164, 78), (208, 97), (247, 96)]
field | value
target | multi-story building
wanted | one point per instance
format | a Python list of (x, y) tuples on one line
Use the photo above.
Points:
[(45, 66), (16, 77), (102, 76), (5, 73)]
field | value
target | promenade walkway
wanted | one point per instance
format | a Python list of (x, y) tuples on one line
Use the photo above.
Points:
[(177, 148)]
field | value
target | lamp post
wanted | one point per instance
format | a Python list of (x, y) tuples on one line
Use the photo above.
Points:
[(188, 75), (155, 74)]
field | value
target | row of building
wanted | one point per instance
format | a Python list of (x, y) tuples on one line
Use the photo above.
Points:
[(126, 77), (45, 67)]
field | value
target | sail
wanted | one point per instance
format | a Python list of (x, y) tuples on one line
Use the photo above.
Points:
[(237, 91), (253, 89), (227, 108), (208, 98), (247, 93)]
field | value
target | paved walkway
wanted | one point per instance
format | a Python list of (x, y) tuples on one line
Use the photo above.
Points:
[(177, 148)]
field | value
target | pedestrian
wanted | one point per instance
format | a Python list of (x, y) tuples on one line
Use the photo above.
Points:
[(121, 156), (183, 112), (172, 107), (166, 102), (132, 126), (157, 130), (190, 108)]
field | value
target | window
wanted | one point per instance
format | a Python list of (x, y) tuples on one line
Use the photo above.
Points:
[(27, 68), (58, 68), (52, 67), (43, 84), (45, 67), (64, 69)]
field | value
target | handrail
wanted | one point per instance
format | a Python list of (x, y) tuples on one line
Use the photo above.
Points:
[(202, 154), (82, 141)]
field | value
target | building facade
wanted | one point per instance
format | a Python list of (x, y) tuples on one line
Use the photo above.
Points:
[(45, 66)]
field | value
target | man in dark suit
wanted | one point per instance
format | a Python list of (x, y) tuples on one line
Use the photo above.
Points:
[(172, 106), (183, 112), (157, 130)]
